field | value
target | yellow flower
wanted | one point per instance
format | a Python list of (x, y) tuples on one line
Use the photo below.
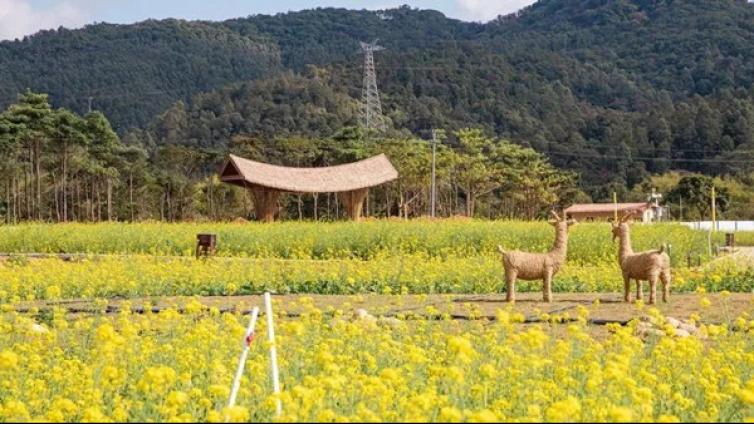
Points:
[(620, 414), (483, 416), (53, 292), (157, 379), (94, 415), (449, 414), (391, 375), (488, 371), (176, 399), (462, 348), (8, 360), (218, 391), (236, 414), (15, 411), (565, 410), (746, 396)]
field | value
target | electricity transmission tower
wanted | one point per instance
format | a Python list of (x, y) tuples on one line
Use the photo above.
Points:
[(371, 109)]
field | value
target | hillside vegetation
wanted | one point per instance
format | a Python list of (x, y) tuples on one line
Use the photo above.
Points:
[(616, 91)]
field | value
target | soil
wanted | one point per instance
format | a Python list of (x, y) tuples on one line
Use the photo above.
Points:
[(603, 307)]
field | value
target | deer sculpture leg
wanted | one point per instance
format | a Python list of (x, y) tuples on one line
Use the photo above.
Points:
[(653, 288), (665, 277), (639, 290), (626, 288), (510, 280), (547, 285)]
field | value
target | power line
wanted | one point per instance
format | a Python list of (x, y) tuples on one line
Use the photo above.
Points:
[(130, 94), (642, 158)]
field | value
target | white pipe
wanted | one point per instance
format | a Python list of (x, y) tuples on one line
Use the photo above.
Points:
[(248, 336), (273, 353)]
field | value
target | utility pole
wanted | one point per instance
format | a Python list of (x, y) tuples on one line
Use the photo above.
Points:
[(436, 135), (371, 108), (654, 200), (714, 211), (434, 187), (90, 104)]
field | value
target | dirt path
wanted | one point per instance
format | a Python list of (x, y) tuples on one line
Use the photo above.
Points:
[(745, 255), (603, 308)]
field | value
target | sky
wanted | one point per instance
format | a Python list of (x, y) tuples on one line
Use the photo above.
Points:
[(24, 17)]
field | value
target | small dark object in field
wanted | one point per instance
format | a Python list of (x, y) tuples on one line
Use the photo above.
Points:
[(206, 244)]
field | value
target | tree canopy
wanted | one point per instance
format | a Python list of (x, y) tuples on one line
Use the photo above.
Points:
[(613, 91)]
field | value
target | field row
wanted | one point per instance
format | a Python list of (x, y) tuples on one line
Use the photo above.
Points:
[(138, 276), (156, 367), (590, 243)]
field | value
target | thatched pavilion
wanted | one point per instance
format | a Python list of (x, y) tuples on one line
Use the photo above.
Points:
[(266, 181)]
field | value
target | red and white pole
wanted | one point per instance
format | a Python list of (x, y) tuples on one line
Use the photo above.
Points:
[(248, 338), (273, 354)]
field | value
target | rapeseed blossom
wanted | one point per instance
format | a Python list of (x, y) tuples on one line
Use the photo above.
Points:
[(178, 367)]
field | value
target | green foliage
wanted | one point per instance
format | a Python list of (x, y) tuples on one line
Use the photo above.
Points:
[(741, 196), (132, 72), (48, 154), (613, 90), (695, 191), (69, 155)]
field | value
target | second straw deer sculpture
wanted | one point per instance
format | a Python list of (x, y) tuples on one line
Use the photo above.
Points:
[(650, 265), (537, 266)]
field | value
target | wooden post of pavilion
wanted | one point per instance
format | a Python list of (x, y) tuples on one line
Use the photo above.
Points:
[(354, 202), (265, 203)]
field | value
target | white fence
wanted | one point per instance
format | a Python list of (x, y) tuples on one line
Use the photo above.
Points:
[(726, 226)]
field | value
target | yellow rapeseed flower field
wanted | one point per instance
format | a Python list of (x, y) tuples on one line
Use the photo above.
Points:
[(590, 243), (138, 276), (178, 367)]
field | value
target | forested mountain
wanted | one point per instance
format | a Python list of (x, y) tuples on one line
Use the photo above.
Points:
[(616, 90), (132, 72)]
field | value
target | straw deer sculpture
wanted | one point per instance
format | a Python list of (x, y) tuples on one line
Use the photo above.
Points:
[(650, 265), (537, 266)]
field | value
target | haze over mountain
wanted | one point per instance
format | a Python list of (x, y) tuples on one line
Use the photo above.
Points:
[(614, 89)]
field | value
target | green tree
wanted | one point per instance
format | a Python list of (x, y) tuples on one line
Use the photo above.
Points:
[(413, 160), (30, 121), (695, 191), (530, 183), (476, 174), (69, 138), (105, 160)]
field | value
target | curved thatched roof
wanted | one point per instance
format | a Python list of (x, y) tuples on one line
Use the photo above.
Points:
[(350, 176), (606, 207)]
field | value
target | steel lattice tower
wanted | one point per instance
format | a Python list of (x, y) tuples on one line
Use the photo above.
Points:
[(371, 109)]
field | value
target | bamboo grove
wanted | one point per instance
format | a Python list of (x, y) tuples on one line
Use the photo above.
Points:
[(59, 166)]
